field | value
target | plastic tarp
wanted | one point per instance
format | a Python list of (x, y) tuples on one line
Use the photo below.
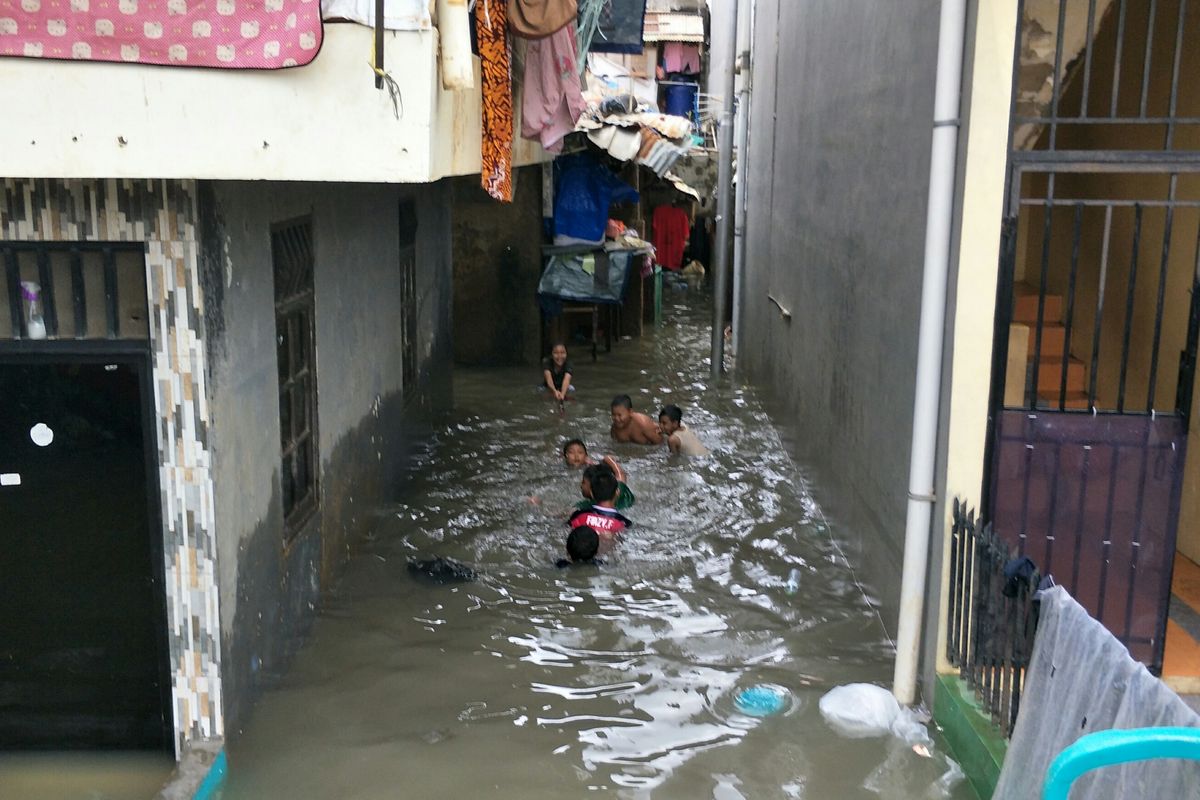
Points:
[(621, 27), (1082, 680), (595, 276), (607, 78)]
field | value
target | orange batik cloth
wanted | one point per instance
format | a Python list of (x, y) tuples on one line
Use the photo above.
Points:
[(491, 27)]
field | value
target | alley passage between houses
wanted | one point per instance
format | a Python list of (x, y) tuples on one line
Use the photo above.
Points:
[(539, 682)]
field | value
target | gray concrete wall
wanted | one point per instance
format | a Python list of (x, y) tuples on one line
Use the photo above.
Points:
[(497, 264), (838, 161), (365, 416)]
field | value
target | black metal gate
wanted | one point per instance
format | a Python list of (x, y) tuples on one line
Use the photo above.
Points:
[(1097, 314)]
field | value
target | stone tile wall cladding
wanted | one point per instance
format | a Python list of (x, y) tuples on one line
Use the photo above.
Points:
[(161, 214)]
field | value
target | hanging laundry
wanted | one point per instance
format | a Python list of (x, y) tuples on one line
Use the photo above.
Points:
[(620, 28), (583, 192), (698, 242), (497, 143), (681, 58), (552, 101), (534, 19), (670, 225)]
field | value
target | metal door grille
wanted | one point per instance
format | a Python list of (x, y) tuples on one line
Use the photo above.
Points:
[(1097, 316), (1116, 64), (87, 291), (408, 297)]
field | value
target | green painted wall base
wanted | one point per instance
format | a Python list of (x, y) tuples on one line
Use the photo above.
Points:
[(974, 741)]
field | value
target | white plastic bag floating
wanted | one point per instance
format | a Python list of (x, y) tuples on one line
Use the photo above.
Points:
[(863, 710), (907, 775), (859, 710)]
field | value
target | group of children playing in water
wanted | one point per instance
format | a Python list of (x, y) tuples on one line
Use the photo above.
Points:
[(597, 523)]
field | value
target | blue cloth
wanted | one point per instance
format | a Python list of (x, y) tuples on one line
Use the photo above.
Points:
[(582, 194)]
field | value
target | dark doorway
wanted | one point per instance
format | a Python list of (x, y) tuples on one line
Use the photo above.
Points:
[(83, 654)]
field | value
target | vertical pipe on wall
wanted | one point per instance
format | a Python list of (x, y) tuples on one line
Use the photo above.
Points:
[(742, 73), (943, 157), (726, 26)]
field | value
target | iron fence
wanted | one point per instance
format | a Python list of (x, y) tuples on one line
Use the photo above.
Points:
[(993, 615)]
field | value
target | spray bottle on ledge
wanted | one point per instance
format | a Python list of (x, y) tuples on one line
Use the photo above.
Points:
[(35, 326)]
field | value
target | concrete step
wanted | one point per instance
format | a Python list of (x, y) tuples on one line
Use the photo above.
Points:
[(1025, 305), (1054, 340), (1049, 377)]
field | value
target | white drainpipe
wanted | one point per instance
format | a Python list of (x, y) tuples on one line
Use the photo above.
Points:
[(951, 31), (742, 69)]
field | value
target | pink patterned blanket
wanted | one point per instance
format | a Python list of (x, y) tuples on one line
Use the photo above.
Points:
[(230, 34)]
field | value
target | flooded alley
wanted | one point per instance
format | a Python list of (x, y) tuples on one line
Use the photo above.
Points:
[(619, 680)]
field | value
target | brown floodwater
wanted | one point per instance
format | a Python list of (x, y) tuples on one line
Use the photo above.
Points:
[(612, 681)]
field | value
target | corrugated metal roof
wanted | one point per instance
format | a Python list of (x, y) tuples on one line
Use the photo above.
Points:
[(673, 27)]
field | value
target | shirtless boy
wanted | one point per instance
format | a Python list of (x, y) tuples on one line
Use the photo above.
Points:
[(632, 426)]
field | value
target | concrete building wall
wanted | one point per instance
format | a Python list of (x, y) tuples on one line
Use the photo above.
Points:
[(323, 122), (497, 265), (365, 415), (839, 158)]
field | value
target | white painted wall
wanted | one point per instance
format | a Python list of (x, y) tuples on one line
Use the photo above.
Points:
[(323, 122)]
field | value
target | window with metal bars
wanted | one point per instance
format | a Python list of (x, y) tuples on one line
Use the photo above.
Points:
[(408, 296), (295, 339), (72, 291)]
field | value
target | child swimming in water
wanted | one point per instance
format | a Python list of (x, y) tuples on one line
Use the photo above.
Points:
[(601, 514), (681, 440), (583, 543), (632, 426), (556, 372), (575, 455)]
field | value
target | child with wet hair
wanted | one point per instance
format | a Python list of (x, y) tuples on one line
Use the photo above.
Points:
[(601, 514), (632, 426), (680, 439), (575, 455), (556, 372), (583, 543)]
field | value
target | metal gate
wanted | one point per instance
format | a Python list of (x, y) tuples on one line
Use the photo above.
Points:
[(1097, 314)]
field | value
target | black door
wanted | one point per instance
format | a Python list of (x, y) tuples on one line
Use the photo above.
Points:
[(82, 612)]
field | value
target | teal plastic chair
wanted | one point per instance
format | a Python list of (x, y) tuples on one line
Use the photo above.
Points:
[(1106, 748)]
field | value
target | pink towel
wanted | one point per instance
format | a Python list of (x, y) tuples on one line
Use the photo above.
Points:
[(552, 100), (680, 57)]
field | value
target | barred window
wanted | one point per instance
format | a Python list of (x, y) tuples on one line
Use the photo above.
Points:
[(292, 260), (408, 296)]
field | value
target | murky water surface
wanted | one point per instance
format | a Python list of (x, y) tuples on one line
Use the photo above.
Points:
[(83, 775), (617, 681)]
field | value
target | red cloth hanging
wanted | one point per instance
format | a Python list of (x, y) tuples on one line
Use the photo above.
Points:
[(670, 225)]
